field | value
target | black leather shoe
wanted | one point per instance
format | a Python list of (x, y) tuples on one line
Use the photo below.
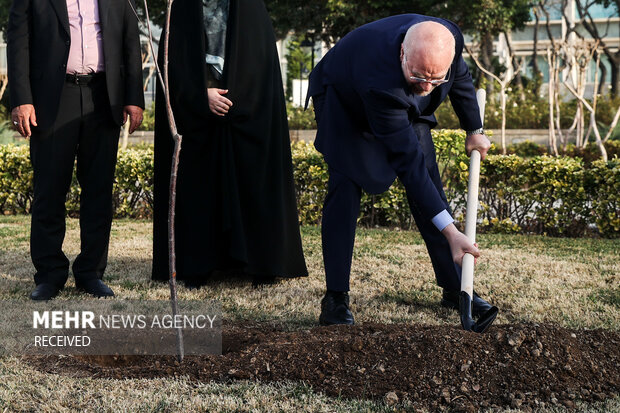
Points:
[(450, 299), (95, 287), (44, 292), (192, 284), (335, 309)]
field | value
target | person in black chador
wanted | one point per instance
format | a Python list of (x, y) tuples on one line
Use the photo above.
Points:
[(236, 205)]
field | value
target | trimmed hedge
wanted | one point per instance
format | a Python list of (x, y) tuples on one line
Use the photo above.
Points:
[(604, 183), (560, 196), (133, 189), (15, 179)]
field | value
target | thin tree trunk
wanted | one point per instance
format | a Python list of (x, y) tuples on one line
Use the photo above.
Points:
[(589, 23), (558, 126), (4, 81), (569, 131), (513, 60), (149, 53), (601, 86), (503, 106), (551, 96), (149, 76), (174, 170), (503, 83), (173, 187), (547, 25), (535, 67), (581, 126), (486, 56), (615, 76), (557, 98), (537, 73), (599, 141), (612, 126), (582, 91)]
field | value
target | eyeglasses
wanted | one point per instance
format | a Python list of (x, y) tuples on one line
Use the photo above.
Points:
[(434, 82)]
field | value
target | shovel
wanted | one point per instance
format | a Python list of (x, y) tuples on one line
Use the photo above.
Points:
[(467, 268)]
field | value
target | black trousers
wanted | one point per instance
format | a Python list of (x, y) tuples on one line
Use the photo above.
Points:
[(341, 210), (84, 130)]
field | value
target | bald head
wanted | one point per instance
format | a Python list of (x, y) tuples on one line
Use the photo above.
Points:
[(429, 40), (427, 52)]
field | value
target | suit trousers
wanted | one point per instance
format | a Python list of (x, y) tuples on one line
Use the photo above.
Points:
[(341, 210), (84, 130)]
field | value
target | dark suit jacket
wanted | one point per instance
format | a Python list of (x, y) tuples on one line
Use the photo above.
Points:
[(365, 131), (38, 43)]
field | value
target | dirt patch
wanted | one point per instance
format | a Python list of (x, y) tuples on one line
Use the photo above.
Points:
[(439, 368)]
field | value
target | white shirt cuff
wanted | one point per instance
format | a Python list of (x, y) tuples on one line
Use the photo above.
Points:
[(442, 220)]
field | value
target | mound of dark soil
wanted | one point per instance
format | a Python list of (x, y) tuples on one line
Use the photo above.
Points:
[(440, 368)]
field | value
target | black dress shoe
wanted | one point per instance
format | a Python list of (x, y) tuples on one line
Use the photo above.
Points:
[(192, 284), (450, 299), (335, 309), (44, 292), (95, 287)]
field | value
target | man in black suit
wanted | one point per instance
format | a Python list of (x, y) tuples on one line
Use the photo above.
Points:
[(374, 96), (75, 72)]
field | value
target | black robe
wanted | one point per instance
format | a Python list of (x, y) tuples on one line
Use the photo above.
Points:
[(236, 204)]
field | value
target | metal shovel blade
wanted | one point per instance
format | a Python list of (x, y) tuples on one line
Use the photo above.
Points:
[(468, 322)]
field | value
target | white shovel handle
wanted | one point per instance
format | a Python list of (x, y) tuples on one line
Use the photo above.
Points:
[(471, 213)]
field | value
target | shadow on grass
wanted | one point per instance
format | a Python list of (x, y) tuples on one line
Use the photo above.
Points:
[(417, 299)]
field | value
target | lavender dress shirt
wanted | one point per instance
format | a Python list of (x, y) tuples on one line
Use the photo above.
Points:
[(86, 51)]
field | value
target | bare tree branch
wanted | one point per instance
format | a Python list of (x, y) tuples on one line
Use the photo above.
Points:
[(502, 84), (612, 126), (599, 141), (551, 94), (175, 164)]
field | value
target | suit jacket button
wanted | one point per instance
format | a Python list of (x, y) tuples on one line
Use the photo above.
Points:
[(68, 42), (64, 66)]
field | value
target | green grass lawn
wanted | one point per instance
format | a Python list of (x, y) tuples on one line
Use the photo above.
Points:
[(574, 283)]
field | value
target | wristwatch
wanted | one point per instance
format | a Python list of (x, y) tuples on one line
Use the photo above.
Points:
[(479, 131)]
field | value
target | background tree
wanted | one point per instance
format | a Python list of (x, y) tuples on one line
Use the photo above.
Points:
[(5, 6), (484, 20), (537, 75), (584, 9), (344, 16), (504, 81), (330, 20), (302, 16)]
